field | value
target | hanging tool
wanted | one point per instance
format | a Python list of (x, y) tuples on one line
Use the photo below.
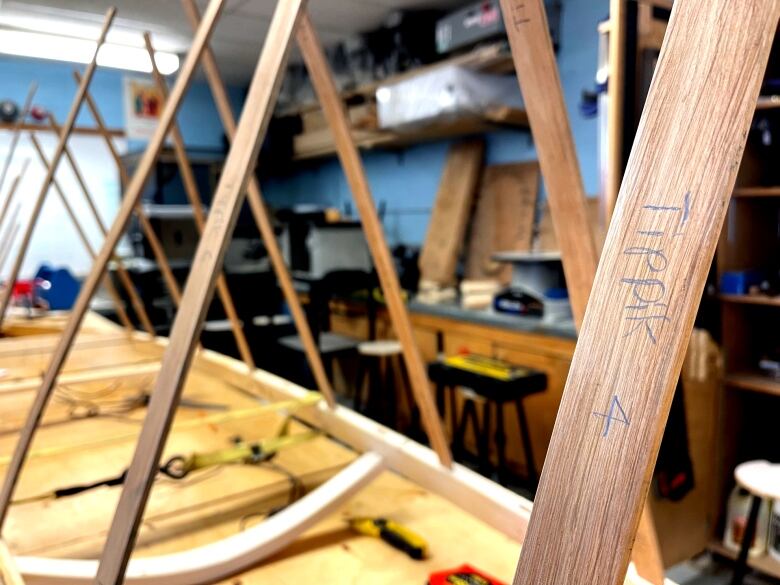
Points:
[(393, 533)]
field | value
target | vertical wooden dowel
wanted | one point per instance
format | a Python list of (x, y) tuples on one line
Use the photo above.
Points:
[(193, 195), (5, 297), (336, 117), (263, 221), (178, 355), (89, 286)]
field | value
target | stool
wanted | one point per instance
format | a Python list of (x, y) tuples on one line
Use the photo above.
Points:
[(762, 480), (376, 363), (496, 383)]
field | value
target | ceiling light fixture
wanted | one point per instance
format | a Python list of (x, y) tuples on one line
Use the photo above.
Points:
[(62, 48)]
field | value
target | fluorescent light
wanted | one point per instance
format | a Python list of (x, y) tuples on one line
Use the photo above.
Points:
[(61, 48)]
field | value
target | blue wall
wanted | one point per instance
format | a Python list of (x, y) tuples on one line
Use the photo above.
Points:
[(407, 180)]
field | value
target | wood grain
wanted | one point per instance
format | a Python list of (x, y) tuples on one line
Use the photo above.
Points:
[(451, 212), (5, 296), (262, 219), (647, 289), (196, 203), (333, 108), (178, 356), (91, 283)]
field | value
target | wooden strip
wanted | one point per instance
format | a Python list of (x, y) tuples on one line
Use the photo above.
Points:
[(13, 230), (12, 191), (332, 106), (9, 572), (661, 239), (451, 212), (16, 133), (225, 208), (90, 285), (263, 221), (107, 284), (5, 297), (193, 195), (616, 96), (124, 276), (146, 226)]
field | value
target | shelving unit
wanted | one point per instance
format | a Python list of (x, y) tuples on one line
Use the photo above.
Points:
[(82, 130), (753, 381), (763, 563)]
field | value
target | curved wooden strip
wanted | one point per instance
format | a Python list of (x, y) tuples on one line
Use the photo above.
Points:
[(222, 559)]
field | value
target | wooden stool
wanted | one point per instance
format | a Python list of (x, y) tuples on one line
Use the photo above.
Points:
[(762, 480), (496, 383), (376, 364)]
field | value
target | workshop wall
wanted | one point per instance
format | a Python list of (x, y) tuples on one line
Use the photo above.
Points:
[(407, 180)]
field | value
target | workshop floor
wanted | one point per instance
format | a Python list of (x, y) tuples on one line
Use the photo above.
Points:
[(704, 570)]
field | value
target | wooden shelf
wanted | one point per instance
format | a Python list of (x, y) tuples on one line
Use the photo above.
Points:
[(753, 382), (756, 191), (768, 102), (751, 300), (764, 563), (83, 130)]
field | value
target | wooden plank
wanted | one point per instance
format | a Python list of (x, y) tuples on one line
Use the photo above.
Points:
[(196, 203), (77, 130), (151, 237), (262, 219), (5, 297), (451, 212), (662, 237), (225, 208), (504, 218), (90, 285), (325, 88)]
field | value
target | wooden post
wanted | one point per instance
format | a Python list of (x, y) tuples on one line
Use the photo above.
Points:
[(199, 290), (263, 221), (193, 195), (107, 284), (333, 108), (5, 297), (12, 191), (124, 276), (90, 285), (16, 132), (658, 250), (537, 74), (146, 226)]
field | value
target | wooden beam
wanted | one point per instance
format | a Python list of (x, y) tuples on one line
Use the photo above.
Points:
[(16, 133), (196, 203), (107, 284), (262, 219), (154, 242), (663, 234), (5, 297), (176, 361), (12, 191), (333, 108), (90, 285)]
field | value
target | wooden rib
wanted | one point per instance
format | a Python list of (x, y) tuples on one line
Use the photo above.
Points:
[(107, 284), (225, 208), (262, 219), (12, 231), (616, 85), (9, 572), (121, 271), (685, 156), (146, 226), (333, 108), (193, 195), (17, 131), (5, 297), (537, 74), (90, 284), (12, 191)]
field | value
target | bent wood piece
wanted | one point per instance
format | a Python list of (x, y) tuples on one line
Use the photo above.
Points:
[(666, 224), (12, 191), (13, 231), (16, 133), (67, 128), (124, 276), (224, 558), (9, 571), (107, 284), (146, 226), (90, 284), (537, 75), (196, 202), (262, 219), (336, 117), (178, 355)]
